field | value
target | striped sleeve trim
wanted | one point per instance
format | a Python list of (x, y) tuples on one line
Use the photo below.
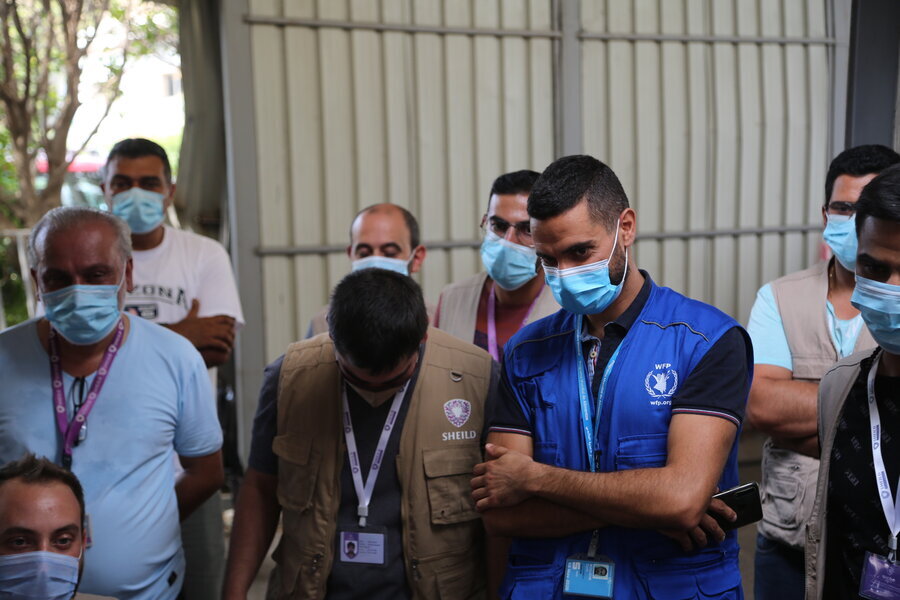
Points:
[(708, 412), (503, 429)]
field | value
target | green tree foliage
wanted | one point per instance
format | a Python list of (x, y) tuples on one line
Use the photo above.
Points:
[(43, 44)]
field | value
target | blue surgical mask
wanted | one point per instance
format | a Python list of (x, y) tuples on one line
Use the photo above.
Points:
[(510, 265), (83, 314), (142, 209), (586, 289), (879, 304), (840, 235), (396, 265), (38, 576)]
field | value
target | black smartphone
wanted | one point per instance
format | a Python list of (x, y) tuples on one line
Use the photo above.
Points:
[(744, 500)]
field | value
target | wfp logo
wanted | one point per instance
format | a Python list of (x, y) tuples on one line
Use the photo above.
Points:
[(661, 381)]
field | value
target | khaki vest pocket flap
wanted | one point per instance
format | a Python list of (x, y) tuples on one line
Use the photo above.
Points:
[(297, 472), (780, 487), (447, 476), (459, 460), (292, 448)]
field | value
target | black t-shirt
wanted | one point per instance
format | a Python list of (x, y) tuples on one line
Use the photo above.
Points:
[(718, 385), (855, 519)]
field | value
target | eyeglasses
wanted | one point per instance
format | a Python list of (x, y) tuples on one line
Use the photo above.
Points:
[(500, 227), (847, 209)]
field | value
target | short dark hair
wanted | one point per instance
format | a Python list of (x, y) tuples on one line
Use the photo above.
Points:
[(880, 198), (34, 470), (411, 224), (377, 318), (859, 161), (517, 182), (136, 148), (571, 179)]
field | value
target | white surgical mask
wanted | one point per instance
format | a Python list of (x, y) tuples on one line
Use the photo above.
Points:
[(397, 265)]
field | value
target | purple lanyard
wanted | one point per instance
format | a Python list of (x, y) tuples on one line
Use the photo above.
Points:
[(492, 321), (70, 431)]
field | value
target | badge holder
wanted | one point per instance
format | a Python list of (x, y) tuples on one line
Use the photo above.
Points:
[(590, 575), (881, 575), (362, 545)]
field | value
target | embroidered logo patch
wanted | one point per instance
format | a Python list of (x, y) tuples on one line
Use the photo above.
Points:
[(661, 381), (457, 411)]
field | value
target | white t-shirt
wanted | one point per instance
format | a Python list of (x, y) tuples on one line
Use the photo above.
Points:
[(183, 267)]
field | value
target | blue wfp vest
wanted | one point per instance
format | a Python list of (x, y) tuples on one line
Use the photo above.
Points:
[(667, 340)]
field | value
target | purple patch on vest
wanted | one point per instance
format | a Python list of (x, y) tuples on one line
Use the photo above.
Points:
[(457, 411)]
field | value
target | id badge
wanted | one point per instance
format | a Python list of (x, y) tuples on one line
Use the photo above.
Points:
[(589, 576), (880, 578), (363, 545)]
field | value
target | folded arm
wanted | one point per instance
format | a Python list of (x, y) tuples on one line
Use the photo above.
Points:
[(781, 406), (673, 497)]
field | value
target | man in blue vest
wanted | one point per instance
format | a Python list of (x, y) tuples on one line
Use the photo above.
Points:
[(618, 416)]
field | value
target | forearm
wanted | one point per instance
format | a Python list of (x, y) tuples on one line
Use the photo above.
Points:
[(808, 446), (496, 550), (783, 408), (538, 518), (213, 357), (660, 498), (256, 519)]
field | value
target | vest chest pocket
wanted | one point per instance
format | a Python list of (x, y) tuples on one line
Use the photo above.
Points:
[(642, 451), (298, 468), (448, 472)]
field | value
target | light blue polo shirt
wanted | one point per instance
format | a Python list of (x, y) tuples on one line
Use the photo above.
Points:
[(770, 344), (156, 400)]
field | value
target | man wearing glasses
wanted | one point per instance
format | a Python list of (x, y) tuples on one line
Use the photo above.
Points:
[(798, 332), (488, 308)]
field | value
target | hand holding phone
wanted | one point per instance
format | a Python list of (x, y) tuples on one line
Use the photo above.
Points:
[(745, 501)]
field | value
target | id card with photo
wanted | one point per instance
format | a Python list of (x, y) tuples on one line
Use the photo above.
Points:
[(589, 576), (880, 578), (363, 546)]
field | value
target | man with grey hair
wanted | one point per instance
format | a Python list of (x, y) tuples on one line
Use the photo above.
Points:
[(112, 398)]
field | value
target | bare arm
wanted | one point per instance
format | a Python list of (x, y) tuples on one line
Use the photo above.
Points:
[(781, 407), (673, 497), (255, 522), (533, 517), (202, 477), (212, 336)]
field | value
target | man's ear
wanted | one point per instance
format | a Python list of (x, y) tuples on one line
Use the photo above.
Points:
[(418, 257), (350, 252), (628, 224), (170, 199)]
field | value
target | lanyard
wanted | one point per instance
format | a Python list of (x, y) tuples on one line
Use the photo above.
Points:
[(891, 509), (364, 491), (70, 430), (590, 427), (492, 321)]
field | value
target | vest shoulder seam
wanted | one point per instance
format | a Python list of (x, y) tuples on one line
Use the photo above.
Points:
[(543, 339), (674, 323)]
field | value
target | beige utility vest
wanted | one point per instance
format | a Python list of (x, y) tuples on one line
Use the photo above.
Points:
[(459, 306), (833, 392), (442, 533), (789, 478)]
